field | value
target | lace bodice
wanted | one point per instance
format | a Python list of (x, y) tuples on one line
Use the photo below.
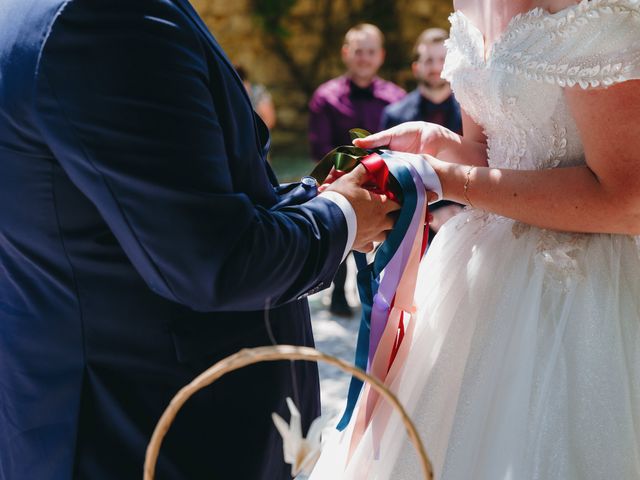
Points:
[(515, 93)]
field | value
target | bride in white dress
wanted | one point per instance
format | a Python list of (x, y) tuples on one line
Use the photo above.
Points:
[(525, 360)]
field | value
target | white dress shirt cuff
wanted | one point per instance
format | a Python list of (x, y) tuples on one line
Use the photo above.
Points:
[(349, 215)]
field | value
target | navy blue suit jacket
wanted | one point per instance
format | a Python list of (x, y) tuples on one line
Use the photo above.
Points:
[(138, 245)]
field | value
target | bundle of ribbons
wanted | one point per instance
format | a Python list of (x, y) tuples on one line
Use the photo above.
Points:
[(387, 285)]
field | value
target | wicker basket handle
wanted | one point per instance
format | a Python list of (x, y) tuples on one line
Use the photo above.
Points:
[(250, 356)]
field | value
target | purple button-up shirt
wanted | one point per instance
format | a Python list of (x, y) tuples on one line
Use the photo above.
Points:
[(338, 106)]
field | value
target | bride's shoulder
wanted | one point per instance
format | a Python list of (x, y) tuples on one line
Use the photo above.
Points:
[(588, 17), (590, 43)]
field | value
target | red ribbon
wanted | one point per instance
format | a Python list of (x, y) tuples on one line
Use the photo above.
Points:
[(378, 176)]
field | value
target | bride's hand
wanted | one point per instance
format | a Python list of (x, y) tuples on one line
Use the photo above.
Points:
[(411, 137)]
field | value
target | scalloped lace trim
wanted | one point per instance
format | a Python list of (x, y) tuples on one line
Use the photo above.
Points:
[(467, 43)]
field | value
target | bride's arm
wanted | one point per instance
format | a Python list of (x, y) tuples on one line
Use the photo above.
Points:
[(603, 196), (469, 149), (435, 140)]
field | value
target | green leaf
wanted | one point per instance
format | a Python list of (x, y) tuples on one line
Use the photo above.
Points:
[(358, 133)]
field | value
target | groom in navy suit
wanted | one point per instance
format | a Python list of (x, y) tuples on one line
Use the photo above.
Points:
[(141, 241)]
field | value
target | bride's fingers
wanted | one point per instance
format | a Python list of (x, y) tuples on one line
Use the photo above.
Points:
[(332, 177), (327, 181), (323, 187), (379, 139), (432, 196)]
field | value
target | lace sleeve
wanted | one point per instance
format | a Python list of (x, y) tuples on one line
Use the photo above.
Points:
[(593, 44), (461, 49)]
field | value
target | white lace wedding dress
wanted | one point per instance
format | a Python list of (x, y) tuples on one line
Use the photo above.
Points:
[(525, 362)]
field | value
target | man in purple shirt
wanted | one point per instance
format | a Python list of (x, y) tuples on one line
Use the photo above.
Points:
[(353, 100)]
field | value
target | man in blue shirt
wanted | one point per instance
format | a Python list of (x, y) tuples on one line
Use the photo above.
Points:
[(432, 101)]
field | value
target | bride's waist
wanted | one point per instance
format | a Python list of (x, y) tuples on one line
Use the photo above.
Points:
[(482, 225), (565, 253), (478, 220)]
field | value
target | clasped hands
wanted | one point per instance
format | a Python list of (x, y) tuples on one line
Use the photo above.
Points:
[(376, 214)]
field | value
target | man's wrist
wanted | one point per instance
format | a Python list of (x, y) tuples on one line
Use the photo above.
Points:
[(349, 216)]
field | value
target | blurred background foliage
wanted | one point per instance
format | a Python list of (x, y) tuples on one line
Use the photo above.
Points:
[(292, 46)]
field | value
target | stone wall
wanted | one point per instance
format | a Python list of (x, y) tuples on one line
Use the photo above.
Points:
[(309, 49)]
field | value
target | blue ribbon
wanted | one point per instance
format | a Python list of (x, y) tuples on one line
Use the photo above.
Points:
[(368, 278)]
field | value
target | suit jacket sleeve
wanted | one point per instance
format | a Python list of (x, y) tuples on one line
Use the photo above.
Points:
[(125, 104)]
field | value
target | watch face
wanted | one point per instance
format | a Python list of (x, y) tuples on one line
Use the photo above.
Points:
[(309, 181)]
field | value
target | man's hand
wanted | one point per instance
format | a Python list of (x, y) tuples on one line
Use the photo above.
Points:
[(375, 213), (411, 137)]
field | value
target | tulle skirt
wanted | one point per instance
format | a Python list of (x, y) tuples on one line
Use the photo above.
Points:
[(524, 362)]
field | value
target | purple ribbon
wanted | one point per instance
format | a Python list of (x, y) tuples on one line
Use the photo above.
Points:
[(390, 277)]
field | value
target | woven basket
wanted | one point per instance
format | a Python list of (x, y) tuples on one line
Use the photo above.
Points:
[(269, 354)]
